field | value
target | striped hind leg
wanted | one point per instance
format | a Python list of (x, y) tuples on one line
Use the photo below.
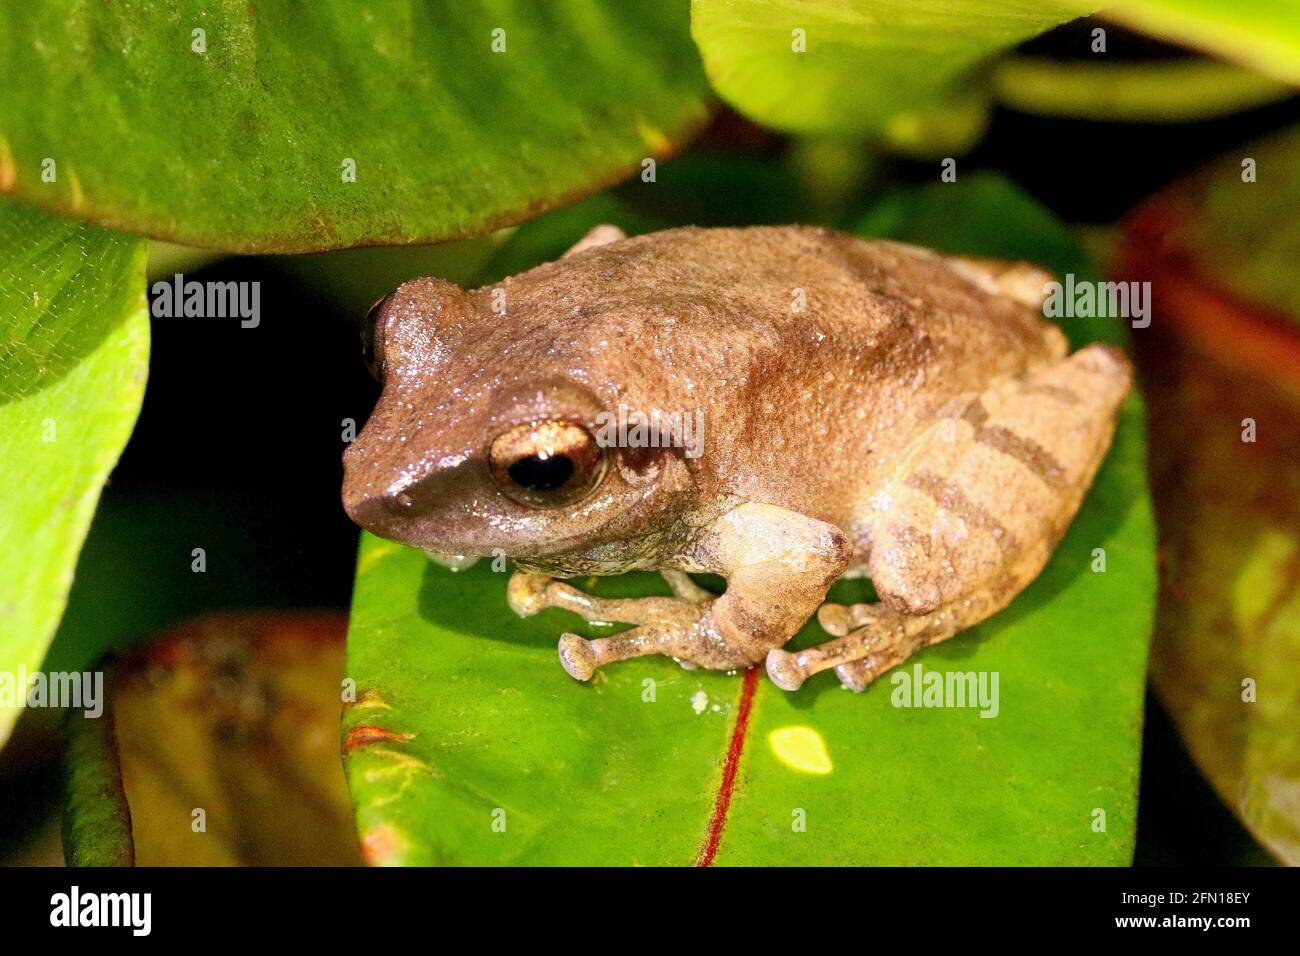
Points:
[(972, 515)]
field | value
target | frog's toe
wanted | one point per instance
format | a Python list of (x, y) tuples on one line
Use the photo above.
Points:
[(835, 619), (854, 675), (577, 656), (785, 670), (526, 593)]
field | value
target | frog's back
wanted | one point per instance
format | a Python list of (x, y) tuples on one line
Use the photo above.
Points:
[(765, 283), (808, 345), (718, 304)]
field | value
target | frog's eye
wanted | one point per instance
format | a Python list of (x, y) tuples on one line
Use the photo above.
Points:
[(547, 464), (372, 339)]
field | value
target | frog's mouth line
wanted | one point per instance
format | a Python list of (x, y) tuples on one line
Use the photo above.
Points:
[(449, 554), (572, 545)]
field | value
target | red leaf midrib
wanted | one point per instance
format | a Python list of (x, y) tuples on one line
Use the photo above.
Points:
[(735, 747)]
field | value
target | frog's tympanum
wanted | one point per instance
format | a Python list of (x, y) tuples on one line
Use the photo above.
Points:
[(860, 408)]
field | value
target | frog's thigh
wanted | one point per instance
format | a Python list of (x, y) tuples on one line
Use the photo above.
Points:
[(972, 515), (982, 501)]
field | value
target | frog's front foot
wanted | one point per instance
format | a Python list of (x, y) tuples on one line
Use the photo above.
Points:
[(665, 625), (577, 656), (839, 619), (777, 563), (526, 593)]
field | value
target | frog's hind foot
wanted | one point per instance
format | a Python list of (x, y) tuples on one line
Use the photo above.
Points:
[(858, 658), (843, 619), (858, 675), (875, 635)]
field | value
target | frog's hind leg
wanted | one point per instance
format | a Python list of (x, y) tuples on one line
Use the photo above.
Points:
[(872, 638), (971, 515)]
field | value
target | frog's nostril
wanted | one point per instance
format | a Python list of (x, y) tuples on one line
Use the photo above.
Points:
[(401, 503)]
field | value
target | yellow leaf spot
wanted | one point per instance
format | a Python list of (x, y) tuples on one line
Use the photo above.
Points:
[(801, 748)]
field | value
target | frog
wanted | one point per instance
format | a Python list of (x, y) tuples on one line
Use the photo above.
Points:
[(868, 408)]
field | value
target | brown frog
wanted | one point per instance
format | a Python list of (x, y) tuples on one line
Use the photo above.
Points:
[(867, 408)]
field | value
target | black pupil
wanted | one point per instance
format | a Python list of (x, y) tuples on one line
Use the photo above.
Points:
[(541, 474)]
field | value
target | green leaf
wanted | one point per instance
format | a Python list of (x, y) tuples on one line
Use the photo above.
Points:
[(905, 71), (97, 824), (469, 745), (757, 191), (235, 715), (1168, 91), (1264, 34), (74, 349), (243, 146)]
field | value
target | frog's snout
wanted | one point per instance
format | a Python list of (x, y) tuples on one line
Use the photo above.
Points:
[(368, 511), (386, 513)]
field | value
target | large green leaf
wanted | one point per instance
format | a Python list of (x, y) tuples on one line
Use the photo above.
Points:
[(916, 73), (74, 348), (468, 744), (242, 146), (901, 70)]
